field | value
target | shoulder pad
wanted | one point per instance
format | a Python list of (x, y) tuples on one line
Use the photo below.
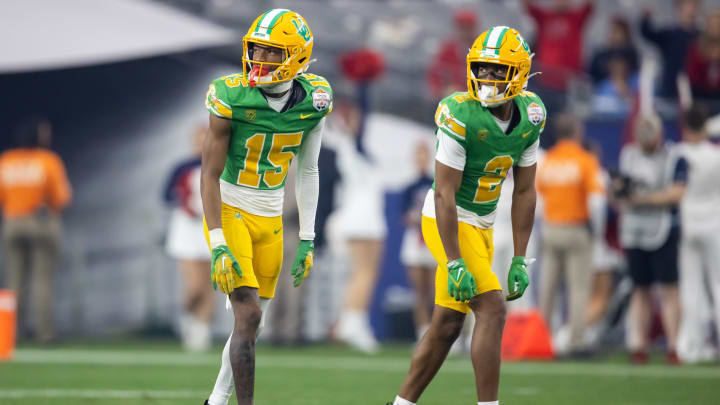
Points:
[(321, 92), (450, 115), (316, 80)]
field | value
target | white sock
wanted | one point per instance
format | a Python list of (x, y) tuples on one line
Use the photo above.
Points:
[(402, 401), (489, 403), (224, 384)]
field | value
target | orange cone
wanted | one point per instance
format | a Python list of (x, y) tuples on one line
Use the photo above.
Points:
[(7, 324), (526, 337)]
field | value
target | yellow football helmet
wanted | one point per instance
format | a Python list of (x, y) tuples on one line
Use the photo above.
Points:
[(504, 46), (280, 28)]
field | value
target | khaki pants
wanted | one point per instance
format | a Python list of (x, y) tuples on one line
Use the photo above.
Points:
[(566, 252), (31, 245)]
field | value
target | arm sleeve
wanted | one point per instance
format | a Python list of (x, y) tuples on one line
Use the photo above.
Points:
[(529, 155), (307, 185), (450, 152)]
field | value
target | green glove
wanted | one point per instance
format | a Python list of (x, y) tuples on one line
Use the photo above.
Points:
[(225, 270), (461, 283), (518, 279), (303, 261)]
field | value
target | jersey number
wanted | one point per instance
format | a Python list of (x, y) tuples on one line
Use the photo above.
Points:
[(489, 185), (277, 156)]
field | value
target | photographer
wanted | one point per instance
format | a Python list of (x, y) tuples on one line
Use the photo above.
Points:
[(648, 192)]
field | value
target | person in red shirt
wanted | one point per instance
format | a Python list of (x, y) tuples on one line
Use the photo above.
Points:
[(447, 72), (559, 38), (34, 189), (703, 63)]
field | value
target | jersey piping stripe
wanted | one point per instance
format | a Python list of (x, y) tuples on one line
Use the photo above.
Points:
[(269, 19), (445, 120), (219, 108)]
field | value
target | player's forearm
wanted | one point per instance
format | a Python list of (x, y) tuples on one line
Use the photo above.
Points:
[(211, 200), (447, 222), (523, 216)]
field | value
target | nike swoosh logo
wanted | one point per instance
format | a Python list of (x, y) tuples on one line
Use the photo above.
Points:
[(526, 133), (277, 231), (303, 116)]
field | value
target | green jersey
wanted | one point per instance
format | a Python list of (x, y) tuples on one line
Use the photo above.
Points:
[(263, 141), (489, 151)]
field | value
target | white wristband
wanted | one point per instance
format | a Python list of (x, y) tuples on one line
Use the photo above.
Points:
[(217, 238)]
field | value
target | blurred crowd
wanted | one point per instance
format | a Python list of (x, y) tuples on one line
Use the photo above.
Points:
[(628, 223)]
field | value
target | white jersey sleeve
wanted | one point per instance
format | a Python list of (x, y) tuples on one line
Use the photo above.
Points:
[(529, 155), (307, 185), (450, 152)]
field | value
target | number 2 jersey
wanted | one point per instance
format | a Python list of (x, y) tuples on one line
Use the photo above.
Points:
[(264, 141), (474, 141)]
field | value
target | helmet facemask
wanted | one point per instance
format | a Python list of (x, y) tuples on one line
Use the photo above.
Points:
[(264, 73), (492, 90)]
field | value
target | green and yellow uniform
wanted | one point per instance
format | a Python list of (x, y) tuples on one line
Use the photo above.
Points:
[(262, 145), (488, 153)]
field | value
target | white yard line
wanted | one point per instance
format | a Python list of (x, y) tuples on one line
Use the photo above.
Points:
[(97, 394), (349, 363)]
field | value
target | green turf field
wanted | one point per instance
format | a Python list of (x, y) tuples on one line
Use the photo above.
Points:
[(159, 373)]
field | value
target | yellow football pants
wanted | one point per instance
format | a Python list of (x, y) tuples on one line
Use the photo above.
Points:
[(476, 247), (257, 244)]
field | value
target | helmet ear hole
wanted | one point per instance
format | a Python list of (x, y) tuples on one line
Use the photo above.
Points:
[(301, 60)]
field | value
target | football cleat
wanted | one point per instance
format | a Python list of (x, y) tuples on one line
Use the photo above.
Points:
[(504, 46), (279, 28)]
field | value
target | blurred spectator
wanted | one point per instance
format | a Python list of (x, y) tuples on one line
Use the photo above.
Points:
[(606, 259), (361, 215), (615, 95), (700, 244), (559, 39), (414, 254), (672, 42), (447, 72), (648, 190), (619, 45), (34, 189), (186, 244), (569, 182), (703, 63)]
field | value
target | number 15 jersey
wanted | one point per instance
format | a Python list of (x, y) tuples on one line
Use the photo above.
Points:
[(263, 141), (472, 140)]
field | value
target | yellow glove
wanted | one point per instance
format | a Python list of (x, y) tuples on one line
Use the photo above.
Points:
[(225, 270)]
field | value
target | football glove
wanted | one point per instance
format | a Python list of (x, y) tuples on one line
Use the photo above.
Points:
[(518, 279), (461, 283), (303, 261), (225, 270)]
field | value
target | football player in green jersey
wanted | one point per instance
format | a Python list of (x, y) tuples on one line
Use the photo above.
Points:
[(482, 134), (260, 120)]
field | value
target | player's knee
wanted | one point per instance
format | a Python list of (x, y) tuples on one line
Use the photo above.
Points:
[(491, 311), (450, 329), (248, 319)]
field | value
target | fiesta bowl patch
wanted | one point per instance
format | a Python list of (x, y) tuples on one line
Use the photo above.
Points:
[(535, 113), (321, 99)]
